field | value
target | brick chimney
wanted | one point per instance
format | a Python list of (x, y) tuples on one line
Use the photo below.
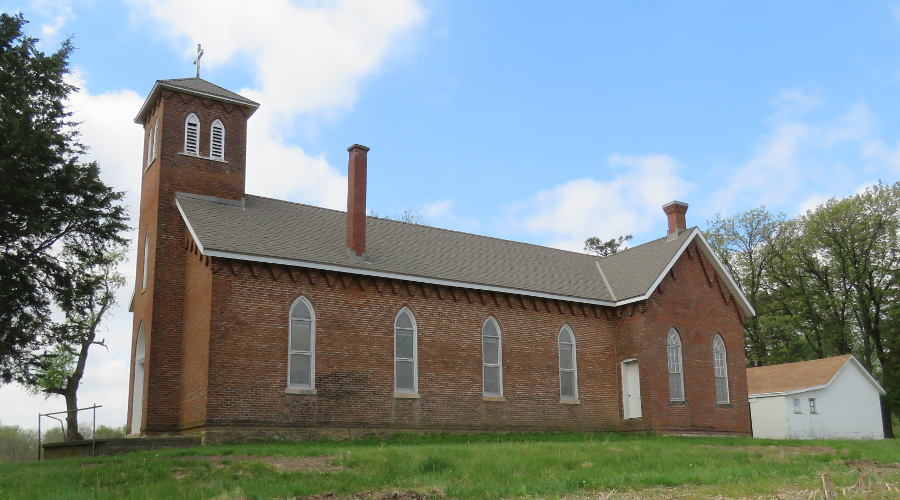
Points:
[(675, 211), (356, 199)]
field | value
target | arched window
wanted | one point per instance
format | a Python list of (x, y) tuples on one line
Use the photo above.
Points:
[(302, 346), (568, 367), (192, 135), (151, 143), (137, 387), (720, 367), (676, 377), (146, 268), (491, 356), (406, 377), (217, 141)]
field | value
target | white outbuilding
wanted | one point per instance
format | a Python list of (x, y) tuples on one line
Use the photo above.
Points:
[(831, 398)]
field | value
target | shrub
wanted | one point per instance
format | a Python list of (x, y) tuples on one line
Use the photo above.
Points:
[(17, 444)]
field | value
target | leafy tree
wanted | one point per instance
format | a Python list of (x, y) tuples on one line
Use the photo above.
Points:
[(742, 243), (808, 291), (856, 241), (61, 367), (17, 444), (51, 203), (824, 283), (600, 248)]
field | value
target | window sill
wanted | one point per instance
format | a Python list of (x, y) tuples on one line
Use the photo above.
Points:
[(496, 399), (569, 402), (678, 403), (294, 390), (724, 405), (182, 153), (406, 395)]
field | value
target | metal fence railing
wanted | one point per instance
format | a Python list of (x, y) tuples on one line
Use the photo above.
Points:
[(63, 427)]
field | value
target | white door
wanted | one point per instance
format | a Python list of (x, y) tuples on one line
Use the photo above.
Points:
[(137, 398), (631, 389)]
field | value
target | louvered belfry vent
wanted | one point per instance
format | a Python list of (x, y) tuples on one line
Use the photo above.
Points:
[(192, 135), (217, 141)]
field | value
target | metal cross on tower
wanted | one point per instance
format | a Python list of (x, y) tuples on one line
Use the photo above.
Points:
[(197, 59)]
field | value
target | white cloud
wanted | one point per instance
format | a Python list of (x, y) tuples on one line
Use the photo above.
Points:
[(438, 209), (801, 161), (283, 170), (627, 204), (443, 213), (799, 155), (114, 141), (793, 103), (307, 59), (811, 202), (57, 13)]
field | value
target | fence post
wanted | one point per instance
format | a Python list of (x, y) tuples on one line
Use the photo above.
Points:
[(94, 433), (39, 437)]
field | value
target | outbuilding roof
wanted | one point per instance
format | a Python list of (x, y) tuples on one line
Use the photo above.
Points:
[(799, 376), (267, 230)]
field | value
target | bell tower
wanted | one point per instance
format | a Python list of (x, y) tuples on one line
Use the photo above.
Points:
[(195, 141)]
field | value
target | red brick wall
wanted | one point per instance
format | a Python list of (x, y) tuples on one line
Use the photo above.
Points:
[(195, 347), (692, 299), (142, 303), (161, 305), (354, 356)]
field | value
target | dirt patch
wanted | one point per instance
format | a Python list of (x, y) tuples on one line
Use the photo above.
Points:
[(281, 464), (777, 451), (871, 465), (865, 488), (376, 495)]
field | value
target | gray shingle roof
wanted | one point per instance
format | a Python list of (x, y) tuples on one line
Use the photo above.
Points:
[(196, 86), (205, 87), (285, 231)]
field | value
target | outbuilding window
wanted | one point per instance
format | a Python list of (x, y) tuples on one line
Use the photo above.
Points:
[(812, 406), (217, 141), (797, 407), (406, 377), (720, 368), (491, 357), (676, 377), (568, 372), (192, 135), (302, 345)]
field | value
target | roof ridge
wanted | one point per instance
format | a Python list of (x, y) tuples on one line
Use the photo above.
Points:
[(690, 229), (589, 256), (204, 81), (829, 358)]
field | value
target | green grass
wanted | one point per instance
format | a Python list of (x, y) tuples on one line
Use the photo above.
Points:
[(460, 466)]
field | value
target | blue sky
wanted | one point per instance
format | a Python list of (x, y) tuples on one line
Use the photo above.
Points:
[(522, 120)]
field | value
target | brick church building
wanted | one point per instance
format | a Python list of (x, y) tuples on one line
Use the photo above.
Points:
[(261, 317)]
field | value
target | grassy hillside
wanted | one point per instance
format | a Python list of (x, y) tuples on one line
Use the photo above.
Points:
[(477, 466)]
